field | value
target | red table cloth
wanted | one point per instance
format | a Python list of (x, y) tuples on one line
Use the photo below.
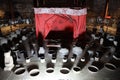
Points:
[(47, 19)]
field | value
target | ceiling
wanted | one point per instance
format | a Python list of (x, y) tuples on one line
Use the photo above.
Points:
[(94, 6)]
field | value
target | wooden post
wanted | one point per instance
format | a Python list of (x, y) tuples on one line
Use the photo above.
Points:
[(37, 3), (11, 9), (106, 8), (44, 2)]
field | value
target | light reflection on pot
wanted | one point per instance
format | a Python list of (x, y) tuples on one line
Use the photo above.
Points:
[(33, 70), (19, 71), (64, 70), (76, 69), (96, 66), (50, 70), (110, 66)]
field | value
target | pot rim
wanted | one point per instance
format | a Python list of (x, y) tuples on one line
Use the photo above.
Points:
[(92, 66), (50, 68), (33, 71), (64, 68), (19, 69), (75, 70), (110, 64)]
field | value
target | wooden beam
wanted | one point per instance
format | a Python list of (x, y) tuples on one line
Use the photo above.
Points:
[(10, 2), (107, 9)]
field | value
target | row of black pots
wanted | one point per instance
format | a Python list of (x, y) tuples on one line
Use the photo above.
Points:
[(111, 65)]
